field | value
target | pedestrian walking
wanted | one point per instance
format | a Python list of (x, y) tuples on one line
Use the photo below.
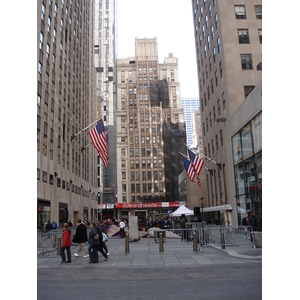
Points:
[(66, 244), (104, 238), (245, 224), (122, 228), (100, 247), (94, 237), (54, 225), (252, 224), (80, 237), (48, 228)]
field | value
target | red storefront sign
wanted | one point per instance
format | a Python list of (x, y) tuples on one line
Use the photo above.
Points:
[(148, 205)]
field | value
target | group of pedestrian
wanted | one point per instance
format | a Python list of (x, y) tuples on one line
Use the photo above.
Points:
[(96, 240), (250, 224)]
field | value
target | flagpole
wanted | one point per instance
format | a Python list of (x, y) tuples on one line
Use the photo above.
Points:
[(73, 136), (218, 164)]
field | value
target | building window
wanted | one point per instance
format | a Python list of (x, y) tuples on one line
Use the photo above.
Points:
[(246, 60), (248, 89), (221, 137), (41, 41), (219, 45), (216, 21), (260, 35), (44, 176), (43, 12), (240, 11), (243, 36), (258, 11)]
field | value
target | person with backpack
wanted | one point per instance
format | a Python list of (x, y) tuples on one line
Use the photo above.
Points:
[(101, 243)]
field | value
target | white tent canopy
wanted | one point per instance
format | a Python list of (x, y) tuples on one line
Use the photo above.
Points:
[(182, 210)]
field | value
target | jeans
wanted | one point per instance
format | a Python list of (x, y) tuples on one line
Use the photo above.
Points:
[(63, 256)]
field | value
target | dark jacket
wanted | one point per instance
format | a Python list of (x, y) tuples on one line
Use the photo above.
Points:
[(80, 234), (92, 233), (245, 223), (252, 222)]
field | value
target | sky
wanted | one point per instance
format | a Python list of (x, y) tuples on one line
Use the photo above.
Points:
[(171, 22)]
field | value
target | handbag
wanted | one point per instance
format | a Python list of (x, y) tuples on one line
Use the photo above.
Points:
[(96, 237)]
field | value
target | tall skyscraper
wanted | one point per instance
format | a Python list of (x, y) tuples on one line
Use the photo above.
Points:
[(105, 62), (66, 97), (150, 128), (189, 105), (228, 38)]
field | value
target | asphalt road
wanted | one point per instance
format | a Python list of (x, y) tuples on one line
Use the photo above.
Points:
[(226, 282)]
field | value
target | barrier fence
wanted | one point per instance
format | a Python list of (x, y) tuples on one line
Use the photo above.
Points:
[(202, 236), (195, 238)]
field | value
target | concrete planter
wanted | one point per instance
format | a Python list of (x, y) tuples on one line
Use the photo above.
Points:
[(257, 239)]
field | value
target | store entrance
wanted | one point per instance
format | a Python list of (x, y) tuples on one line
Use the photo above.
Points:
[(142, 217)]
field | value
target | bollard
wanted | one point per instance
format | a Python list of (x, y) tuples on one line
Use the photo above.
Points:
[(58, 245), (195, 242), (127, 243), (222, 240), (161, 244)]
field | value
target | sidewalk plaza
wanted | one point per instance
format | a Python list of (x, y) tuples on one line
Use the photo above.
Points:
[(145, 252)]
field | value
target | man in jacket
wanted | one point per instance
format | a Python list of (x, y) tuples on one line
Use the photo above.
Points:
[(252, 223), (80, 237)]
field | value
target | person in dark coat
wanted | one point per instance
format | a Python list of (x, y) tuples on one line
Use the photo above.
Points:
[(100, 247), (66, 244), (80, 237), (252, 222), (48, 228), (93, 243)]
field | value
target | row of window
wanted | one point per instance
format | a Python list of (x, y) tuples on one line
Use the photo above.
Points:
[(136, 164), (240, 11), (146, 188), (61, 183), (211, 145)]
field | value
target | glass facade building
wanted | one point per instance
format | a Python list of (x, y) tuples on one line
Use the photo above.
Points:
[(247, 159)]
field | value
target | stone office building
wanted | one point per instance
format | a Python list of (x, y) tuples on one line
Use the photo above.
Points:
[(228, 39), (66, 102), (150, 132)]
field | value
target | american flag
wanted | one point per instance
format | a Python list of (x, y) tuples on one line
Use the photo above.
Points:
[(189, 168), (198, 163), (99, 141)]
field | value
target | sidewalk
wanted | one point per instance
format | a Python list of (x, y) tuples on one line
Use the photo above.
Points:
[(139, 256)]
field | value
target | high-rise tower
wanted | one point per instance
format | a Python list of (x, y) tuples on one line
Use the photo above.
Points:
[(228, 38), (105, 61), (66, 97), (150, 127)]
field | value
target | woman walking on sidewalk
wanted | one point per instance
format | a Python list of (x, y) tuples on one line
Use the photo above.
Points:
[(66, 244)]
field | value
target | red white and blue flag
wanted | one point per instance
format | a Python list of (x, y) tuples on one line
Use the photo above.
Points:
[(189, 169), (197, 162), (99, 141)]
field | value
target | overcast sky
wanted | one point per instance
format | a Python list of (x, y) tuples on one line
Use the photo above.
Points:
[(171, 21)]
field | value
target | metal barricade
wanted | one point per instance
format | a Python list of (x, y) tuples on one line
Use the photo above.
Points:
[(173, 238), (224, 235)]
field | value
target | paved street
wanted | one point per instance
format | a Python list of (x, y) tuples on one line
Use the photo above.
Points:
[(176, 273)]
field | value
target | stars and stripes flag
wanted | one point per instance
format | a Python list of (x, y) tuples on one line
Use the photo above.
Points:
[(189, 169), (98, 137), (197, 162)]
